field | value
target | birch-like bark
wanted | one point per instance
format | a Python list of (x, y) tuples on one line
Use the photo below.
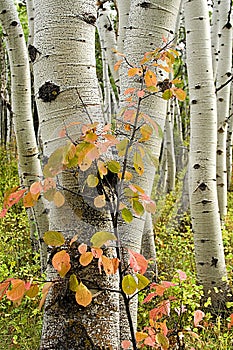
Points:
[(65, 61), (230, 141), (209, 254), (223, 99), (171, 162), (123, 13), (31, 15), (29, 163), (147, 24), (214, 29)]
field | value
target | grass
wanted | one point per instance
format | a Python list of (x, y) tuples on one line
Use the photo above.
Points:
[(20, 326)]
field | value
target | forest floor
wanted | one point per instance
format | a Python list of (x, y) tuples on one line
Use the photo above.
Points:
[(20, 325)]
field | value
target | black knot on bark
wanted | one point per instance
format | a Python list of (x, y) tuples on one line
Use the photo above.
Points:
[(202, 186), (14, 23), (32, 51), (145, 5), (49, 91)]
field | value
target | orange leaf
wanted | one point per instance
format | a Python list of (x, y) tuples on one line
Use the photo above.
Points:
[(140, 336), (129, 91), (107, 265), (61, 262), (4, 287), (150, 78), (133, 71), (179, 94), (17, 291), (117, 65), (45, 290), (97, 252), (29, 201), (230, 324), (83, 296), (36, 187), (82, 248), (86, 258)]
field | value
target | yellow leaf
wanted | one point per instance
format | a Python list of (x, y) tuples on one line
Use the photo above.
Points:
[(33, 291), (73, 283), (114, 166), (83, 296), (92, 180), (162, 341), (140, 336), (129, 285), (101, 237), (138, 163), (133, 71), (179, 94), (142, 281), (146, 130), (122, 146), (54, 238), (86, 258)]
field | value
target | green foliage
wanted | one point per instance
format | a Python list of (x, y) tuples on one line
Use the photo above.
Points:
[(19, 325)]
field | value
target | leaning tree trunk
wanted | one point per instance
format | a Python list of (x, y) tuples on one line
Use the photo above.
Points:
[(67, 91), (29, 163), (209, 254)]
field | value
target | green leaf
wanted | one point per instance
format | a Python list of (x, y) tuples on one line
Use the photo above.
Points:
[(126, 215), (129, 285), (54, 238), (92, 180), (114, 166), (73, 283), (142, 281), (167, 94), (138, 207), (162, 340), (122, 146), (101, 237)]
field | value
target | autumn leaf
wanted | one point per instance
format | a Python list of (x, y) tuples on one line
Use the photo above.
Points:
[(230, 324), (83, 296), (162, 340), (4, 287), (61, 262), (17, 290), (138, 163), (114, 166), (54, 238), (138, 207), (140, 336), (182, 275), (29, 200), (198, 316), (58, 199), (73, 283), (126, 344), (150, 78), (82, 248), (45, 291), (167, 94), (33, 291), (134, 71), (101, 237), (142, 281), (179, 94), (127, 216), (117, 65), (100, 201), (146, 130), (86, 258), (92, 180), (138, 262), (129, 284), (122, 147)]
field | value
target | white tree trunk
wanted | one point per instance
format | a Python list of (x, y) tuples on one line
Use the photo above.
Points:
[(123, 13), (29, 163), (210, 263), (214, 36), (64, 41), (223, 99)]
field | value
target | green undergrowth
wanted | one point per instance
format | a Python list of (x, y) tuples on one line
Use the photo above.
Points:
[(20, 326), (175, 251)]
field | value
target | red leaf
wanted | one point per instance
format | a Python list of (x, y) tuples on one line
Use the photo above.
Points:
[(162, 309), (126, 344), (137, 262), (182, 275), (198, 316), (230, 324), (149, 297), (4, 287)]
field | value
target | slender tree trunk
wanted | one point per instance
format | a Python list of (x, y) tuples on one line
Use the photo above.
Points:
[(223, 99), (29, 163), (209, 254), (65, 63)]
